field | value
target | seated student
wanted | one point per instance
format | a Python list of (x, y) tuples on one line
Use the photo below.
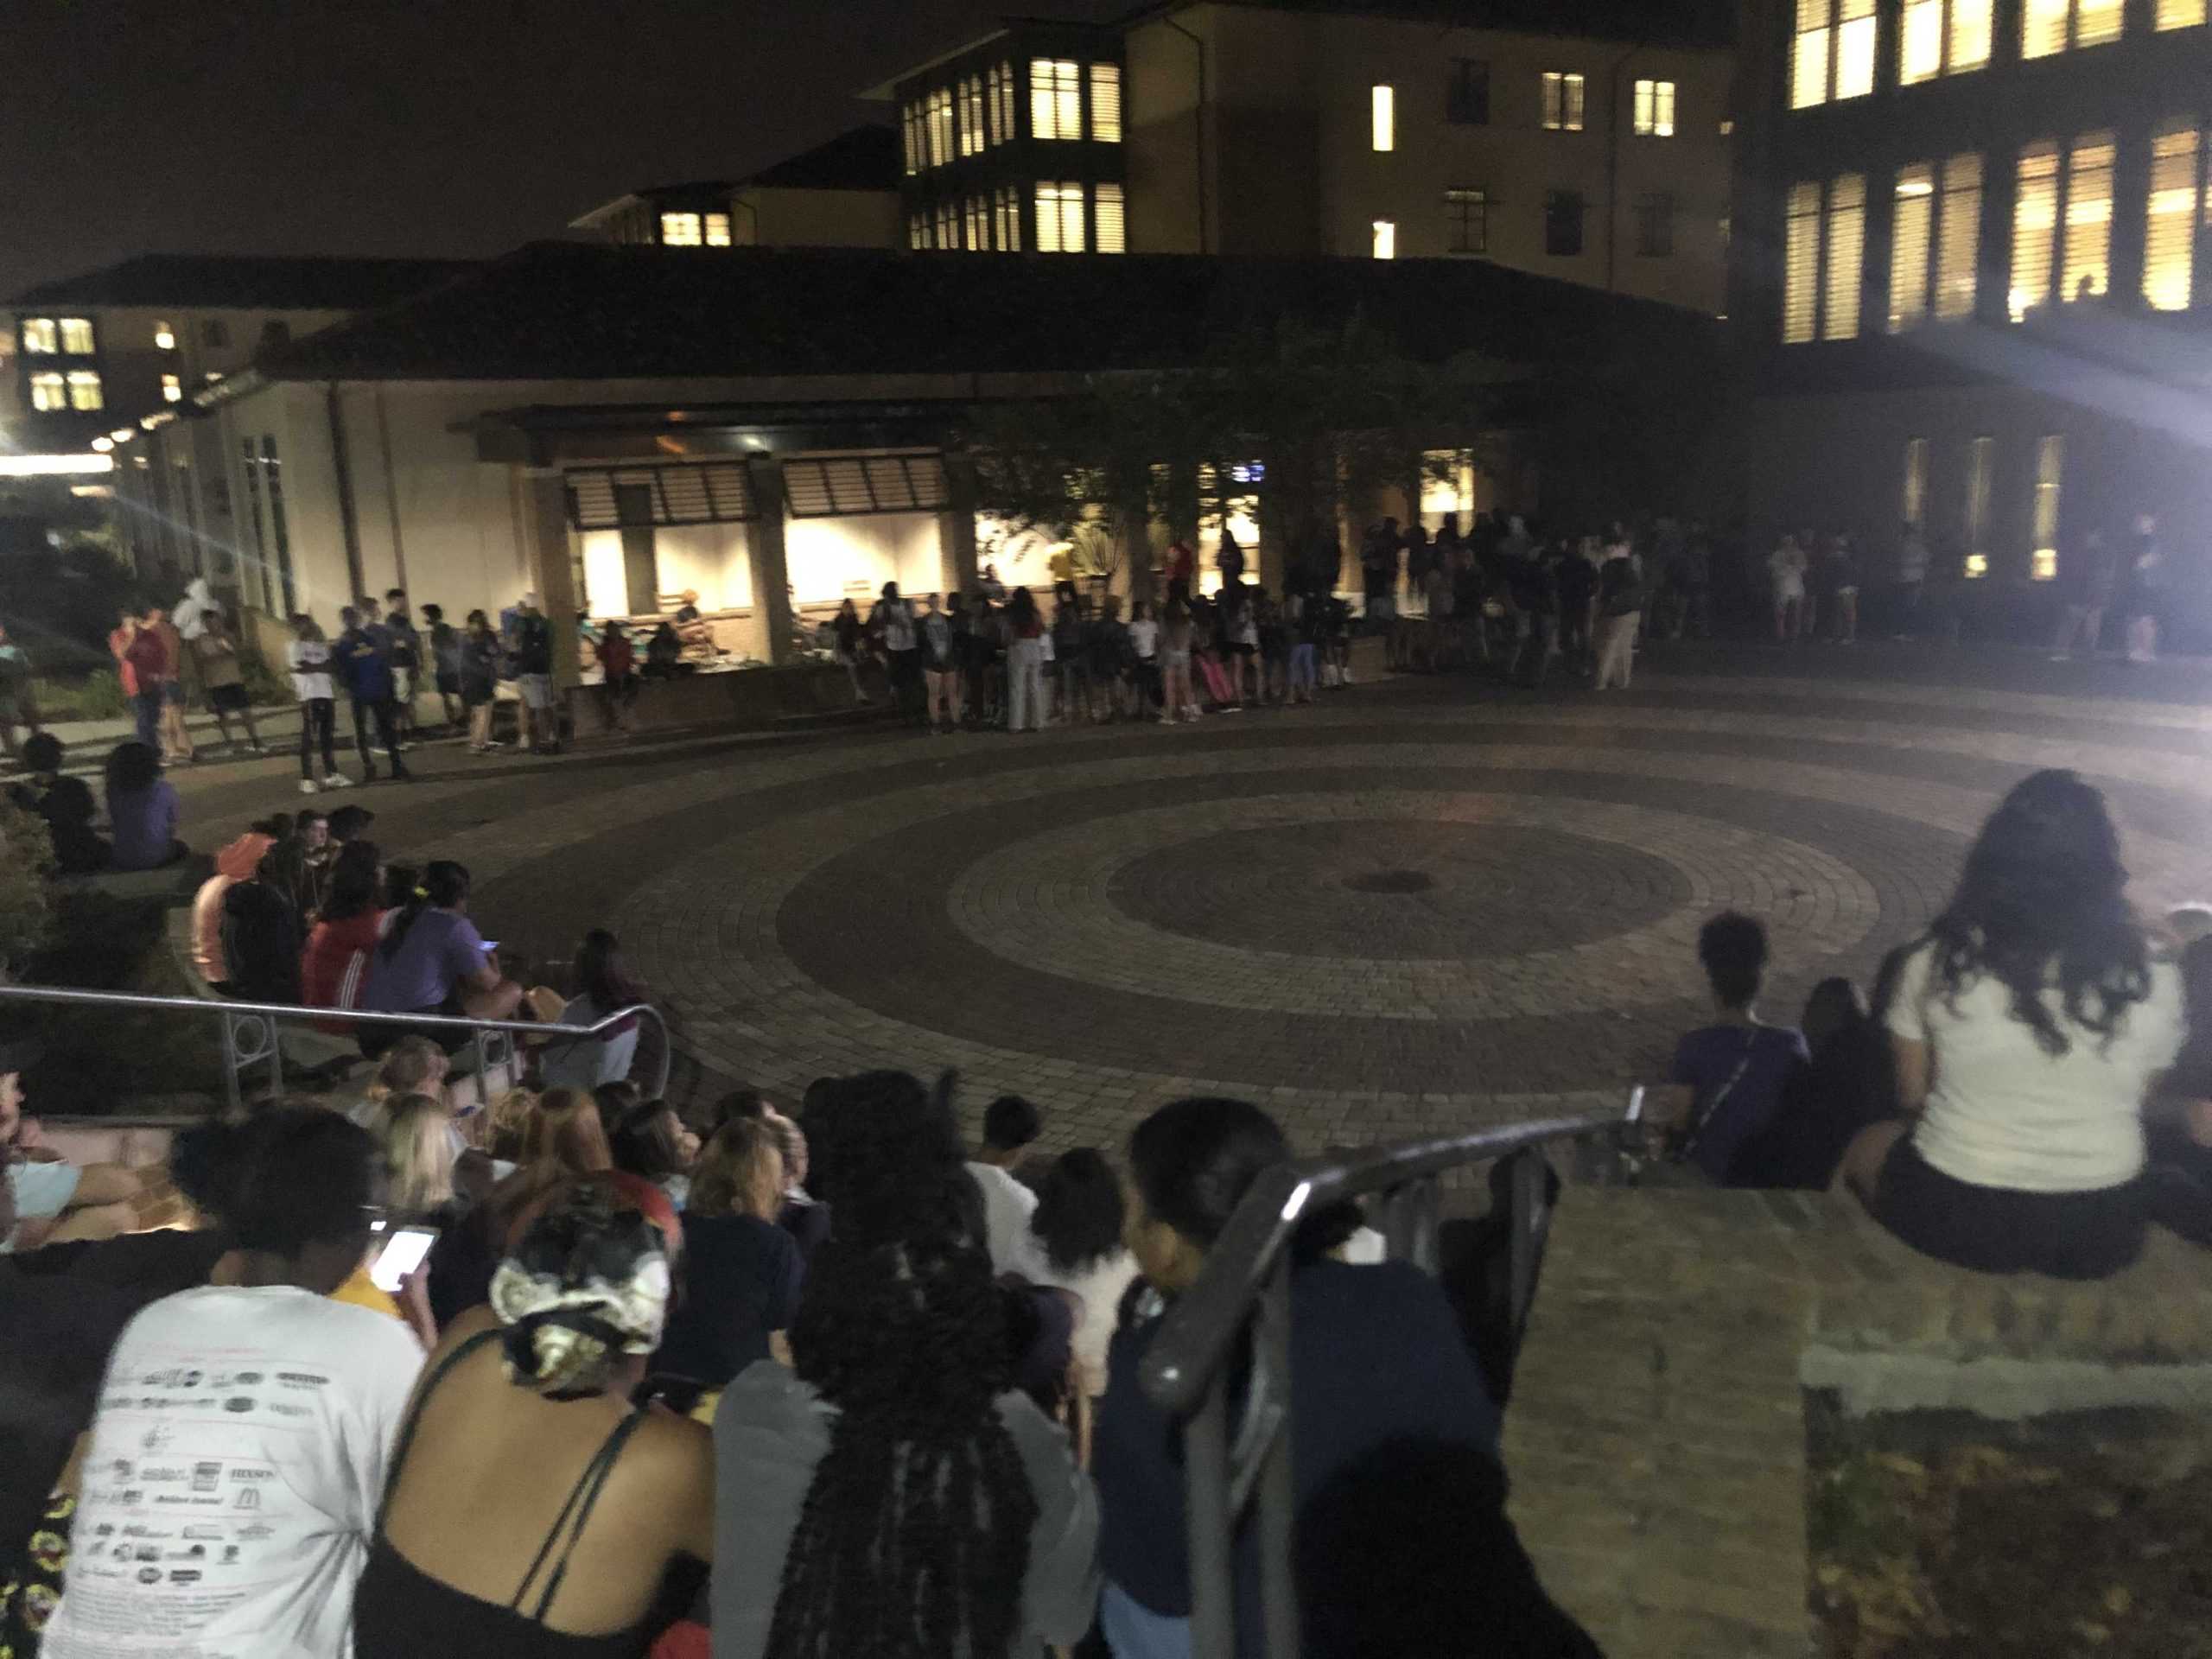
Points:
[(261, 936), (1075, 1244), (2029, 1027), (335, 963), (1727, 1078), (300, 1215), (235, 863), (531, 1510), (142, 809), (741, 1272), (1377, 1359), (65, 802), (648, 1140), (603, 986), (51, 1200), (432, 960), (1010, 1123), (1849, 1084), (890, 1493)]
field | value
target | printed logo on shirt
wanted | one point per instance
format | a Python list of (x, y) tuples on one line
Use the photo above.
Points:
[(302, 1379), (239, 1403)]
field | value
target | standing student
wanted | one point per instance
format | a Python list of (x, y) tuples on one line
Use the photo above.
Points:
[(444, 645), (1010, 1124), (480, 681), (940, 653), (2141, 600), (1620, 610), (1786, 577), (17, 705), (1144, 648), (847, 637), (217, 650), (176, 738), (533, 655), (617, 667), (1176, 631), (406, 658), (310, 1443), (147, 666), (891, 626), (1024, 663), (364, 653)]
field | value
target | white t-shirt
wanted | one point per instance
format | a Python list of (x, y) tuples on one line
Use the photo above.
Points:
[(309, 661), (237, 1459), (1144, 638), (1787, 567), (1008, 1206), (2002, 1113), (1102, 1285)]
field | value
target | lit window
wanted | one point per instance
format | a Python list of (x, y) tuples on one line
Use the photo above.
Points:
[(2096, 22), (1832, 51), (1655, 225), (2051, 468), (1467, 95), (1972, 26), (40, 336), (972, 137), (1563, 223), (84, 390), (1106, 103), (1981, 467), (49, 392), (1005, 218), (1562, 101), (948, 227), (77, 336), (2051, 26), (2180, 14), (1920, 43), (2035, 223), (2169, 239), (1958, 238), (717, 227), (1912, 234), (1801, 264), (164, 337), (1002, 91), (975, 225), (679, 230), (1846, 245), (1383, 118), (2088, 219), (1059, 218), (1112, 233), (916, 232), (938, 114), (1654, 109), (1055, 101), (1384, 245), (172, 389), (1466, 216), (1915, 482), (910, 135)]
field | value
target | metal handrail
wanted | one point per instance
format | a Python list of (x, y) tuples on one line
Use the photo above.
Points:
[(239, 1015), (1245, 1285)]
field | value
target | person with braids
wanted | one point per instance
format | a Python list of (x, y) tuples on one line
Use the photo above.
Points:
[(1377, 1362), (891, 1495), (432, 960), (2030, 1027), (531, 1511)]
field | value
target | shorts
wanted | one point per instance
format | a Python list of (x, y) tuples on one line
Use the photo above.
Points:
[(537, 690), (43, 1190), (226, 699), (403, 682), (173, 693), (1240, 648), (448, 685), (1381, 607), (2087, 1234)]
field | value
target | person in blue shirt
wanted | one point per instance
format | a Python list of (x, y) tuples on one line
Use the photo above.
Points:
[(364, 658), (1728, 1077), (1394, 1436)]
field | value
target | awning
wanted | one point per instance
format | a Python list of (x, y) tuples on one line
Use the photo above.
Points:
[(711, 492), (842, 486)]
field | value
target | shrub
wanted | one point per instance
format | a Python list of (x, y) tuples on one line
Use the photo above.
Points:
[(25, 865)]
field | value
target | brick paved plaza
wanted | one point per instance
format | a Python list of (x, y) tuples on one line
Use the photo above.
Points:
[(1423, 904)]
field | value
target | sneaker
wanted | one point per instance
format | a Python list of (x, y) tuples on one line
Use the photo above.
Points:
[(401, 775), (1167, 719), (337, 781), (308, 786)]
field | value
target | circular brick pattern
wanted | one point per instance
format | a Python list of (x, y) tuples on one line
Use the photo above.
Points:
[(1398, 889)]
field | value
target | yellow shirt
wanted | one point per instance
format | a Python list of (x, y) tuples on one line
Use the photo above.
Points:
[(362, 1291)]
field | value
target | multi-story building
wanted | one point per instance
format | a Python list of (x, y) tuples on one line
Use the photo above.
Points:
[(842, 194), (1976, 277), (1575, 140)]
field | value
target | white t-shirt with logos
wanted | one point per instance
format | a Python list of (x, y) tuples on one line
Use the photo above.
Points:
[(1008, 1206), (237, 1459), (2001, 1112)]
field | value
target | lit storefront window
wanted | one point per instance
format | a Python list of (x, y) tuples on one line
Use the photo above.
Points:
[(680, 231)]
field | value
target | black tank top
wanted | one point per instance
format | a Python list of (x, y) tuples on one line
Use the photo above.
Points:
[(401, 1613)]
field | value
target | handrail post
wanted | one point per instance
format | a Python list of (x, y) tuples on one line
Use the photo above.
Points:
[(1278, 1495), (1529, 1176), (231, 1064), (1213, 1592), (275, 1059)]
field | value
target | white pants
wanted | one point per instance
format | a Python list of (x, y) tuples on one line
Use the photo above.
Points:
[(1616, 649), (1024, 685)]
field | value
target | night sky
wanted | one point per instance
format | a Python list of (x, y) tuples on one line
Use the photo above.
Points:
[(430, 127)]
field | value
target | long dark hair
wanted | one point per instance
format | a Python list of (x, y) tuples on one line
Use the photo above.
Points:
[(914, 1537), (131, 767), (2043, 888), (600, 975), (445, 884), (1079, 1215), (352, 889)]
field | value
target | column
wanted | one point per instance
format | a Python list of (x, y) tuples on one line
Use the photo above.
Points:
[(764, 547), (552, 575), (1268, 561), (956, 527)]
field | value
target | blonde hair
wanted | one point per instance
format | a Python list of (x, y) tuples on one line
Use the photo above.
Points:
[(740, 1172), (409, 1064), (564, 1135), (418, 1154)]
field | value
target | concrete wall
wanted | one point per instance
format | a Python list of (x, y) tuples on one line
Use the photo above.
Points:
[(817, 218)]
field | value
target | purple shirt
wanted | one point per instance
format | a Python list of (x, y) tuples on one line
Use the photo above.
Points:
[(1760, 1059), (442, 948), (144, 825)]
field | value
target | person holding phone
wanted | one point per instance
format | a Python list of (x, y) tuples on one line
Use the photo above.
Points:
[(432, 960)]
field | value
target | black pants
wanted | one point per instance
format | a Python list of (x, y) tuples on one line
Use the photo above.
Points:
[(2088, 1235), (1535, 650), (904, 668), (1575, 638), (385, 712), (317, 721)]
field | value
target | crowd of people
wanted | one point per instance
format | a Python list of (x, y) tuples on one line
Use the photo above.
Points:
[(578, 1370)]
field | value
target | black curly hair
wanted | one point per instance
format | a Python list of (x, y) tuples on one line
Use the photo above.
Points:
[(1079, 1215), (914, 1537), (2044, 896)]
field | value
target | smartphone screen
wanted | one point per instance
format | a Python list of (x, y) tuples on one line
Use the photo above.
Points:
[(402, 1254), (491, 944)]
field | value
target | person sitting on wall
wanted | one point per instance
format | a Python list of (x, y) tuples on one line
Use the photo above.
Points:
[(665, 654), (66, 803), (697, 632)]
